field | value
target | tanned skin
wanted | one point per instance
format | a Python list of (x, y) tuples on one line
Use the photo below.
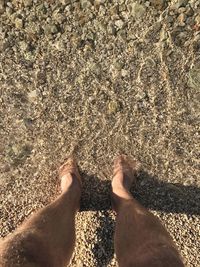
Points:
[(47, 238), (140, 239)]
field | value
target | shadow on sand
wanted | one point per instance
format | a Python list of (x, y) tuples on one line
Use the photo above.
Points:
[(149, 191)]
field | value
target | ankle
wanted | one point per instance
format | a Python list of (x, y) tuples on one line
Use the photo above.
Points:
[(120, 199), (73, 193), (69, 184), (121, 192)]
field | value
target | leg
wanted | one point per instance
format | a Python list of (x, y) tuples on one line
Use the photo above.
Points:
[(140, 238), (48, 237)]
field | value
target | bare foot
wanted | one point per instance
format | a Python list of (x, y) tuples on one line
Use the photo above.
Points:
[(69, 176), (125, 172)]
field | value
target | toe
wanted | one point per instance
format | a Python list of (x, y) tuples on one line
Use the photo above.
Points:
[(126, 164), (69, 166)]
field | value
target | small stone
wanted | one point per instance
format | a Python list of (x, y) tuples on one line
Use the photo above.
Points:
[(59, 45), (9, 11), (65, 2), (41, 10), (10, 4), (181, 3), (169, 19), (163, 35), (181, 10), (19, 153), (181, 19), (58, 17), (29, 56), (158, 3), (85, 4), (99, 2), (96, 68), (2, 6), (124, 72), (194, 78), (147, 4), (114, 11), (15, 149), (189, 11), (32, 95), (197, 19), (27, 3), (19, 23), (102, 26), (196, 43), (4, 45), (50, 29), (122, 34), (137, 10), (119, 23), (33, 29), (182, 36), (28, 122), (24, 46), (118, 65), (140, 95), (113, 107), (54, 28), (111, 29)]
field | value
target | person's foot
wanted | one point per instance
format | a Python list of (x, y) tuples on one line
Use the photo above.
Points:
[(124, 175), (69, 176)]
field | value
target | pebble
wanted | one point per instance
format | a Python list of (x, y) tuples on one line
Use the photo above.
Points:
[(9, 4), (32, 96), (196, 43), (29, 56), (163, 35), (58, 17), (181, 10), (18, 23), (122, 34), (99, 2), (189, 11), (124, 73), (59, 45), (24, 46), (9, 11), (113, 107), (158, 3), (181, 19), (27, 3), (118, 65), (119, 23), (33, 28), (2, 6), (85, 4), (50, 29), (181, 3), (197, 19), (138, 10), (65, 2), (194, 78), (111, 29), (96, 68)]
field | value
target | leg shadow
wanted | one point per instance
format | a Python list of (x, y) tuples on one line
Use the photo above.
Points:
[(96, 197), (167, 197), (151, 192), (104, 248), (95, 194)]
